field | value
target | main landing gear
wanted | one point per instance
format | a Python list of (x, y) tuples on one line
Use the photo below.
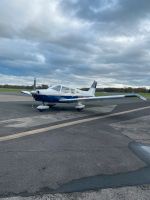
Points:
[(79, 106)]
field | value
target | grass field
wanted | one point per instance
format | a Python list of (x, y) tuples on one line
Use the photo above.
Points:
[(147, 95), (9, 90)]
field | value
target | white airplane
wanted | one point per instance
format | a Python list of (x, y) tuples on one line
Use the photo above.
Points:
[(64, 94)]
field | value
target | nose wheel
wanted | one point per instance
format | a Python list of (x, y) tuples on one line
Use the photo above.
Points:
[(51, 105), (42, 108)]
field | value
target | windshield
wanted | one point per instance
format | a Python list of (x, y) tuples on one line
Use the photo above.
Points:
[(57, 88), (65, 89)]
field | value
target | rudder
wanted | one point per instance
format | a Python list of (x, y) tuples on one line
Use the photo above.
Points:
[(92, 88)]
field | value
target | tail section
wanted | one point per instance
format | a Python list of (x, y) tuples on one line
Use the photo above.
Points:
[(92, 89)]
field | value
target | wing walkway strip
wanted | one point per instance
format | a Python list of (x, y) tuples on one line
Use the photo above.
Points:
[(53, 127)]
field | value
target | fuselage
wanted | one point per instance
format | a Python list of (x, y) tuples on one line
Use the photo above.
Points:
[(64, 94), (55, 93)]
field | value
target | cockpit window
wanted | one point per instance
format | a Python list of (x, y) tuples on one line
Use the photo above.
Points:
[(57, 88), (73, 91), (65, 89), (77, 91)]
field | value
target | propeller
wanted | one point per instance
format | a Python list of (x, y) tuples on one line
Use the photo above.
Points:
[(34, 84), (34, 90)]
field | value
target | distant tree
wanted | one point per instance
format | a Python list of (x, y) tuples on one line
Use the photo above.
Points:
[(43, 86)]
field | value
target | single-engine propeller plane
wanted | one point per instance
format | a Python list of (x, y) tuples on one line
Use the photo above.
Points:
[(64, 94)]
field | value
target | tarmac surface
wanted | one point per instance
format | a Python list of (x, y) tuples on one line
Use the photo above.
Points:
[(63, 150)]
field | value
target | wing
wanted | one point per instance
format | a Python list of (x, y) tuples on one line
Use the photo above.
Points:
[(26, 92), (100, 98)]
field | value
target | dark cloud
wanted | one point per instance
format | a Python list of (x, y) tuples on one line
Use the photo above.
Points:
[(72, 40), (108, 10)]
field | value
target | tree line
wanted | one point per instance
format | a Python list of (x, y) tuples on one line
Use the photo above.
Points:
[(28, 87), (107, 89), (125, 89)]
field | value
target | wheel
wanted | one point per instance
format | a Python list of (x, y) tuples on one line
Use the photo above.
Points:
[(79, 106), (51, 105), (40, 110), (79, 109)]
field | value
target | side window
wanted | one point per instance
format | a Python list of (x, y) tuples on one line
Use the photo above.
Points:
[(65, 89), (73, 91), (77, 91)]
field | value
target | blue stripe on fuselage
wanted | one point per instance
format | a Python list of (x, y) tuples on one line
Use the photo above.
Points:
[(51, 99)]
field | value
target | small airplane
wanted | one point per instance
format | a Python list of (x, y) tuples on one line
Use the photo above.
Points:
[(65, 94)]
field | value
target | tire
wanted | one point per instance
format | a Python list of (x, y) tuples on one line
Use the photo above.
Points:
[(79, 109), (51, 106)]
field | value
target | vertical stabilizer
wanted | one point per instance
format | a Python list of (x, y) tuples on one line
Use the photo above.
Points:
[(92, 89)]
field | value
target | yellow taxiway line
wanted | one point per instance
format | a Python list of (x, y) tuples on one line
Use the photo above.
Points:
[(65, 124)]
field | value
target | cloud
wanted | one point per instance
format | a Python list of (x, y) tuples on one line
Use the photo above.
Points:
[(108, 10), (77, 41)]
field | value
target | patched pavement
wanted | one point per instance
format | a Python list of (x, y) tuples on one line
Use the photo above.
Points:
[(89, 155)]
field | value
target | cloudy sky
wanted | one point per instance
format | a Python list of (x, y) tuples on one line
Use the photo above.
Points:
[(75, 42)]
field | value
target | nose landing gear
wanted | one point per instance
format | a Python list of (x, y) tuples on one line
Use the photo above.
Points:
[(42, 108)]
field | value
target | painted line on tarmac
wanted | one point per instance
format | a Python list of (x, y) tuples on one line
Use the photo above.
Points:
[(53, 127)]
